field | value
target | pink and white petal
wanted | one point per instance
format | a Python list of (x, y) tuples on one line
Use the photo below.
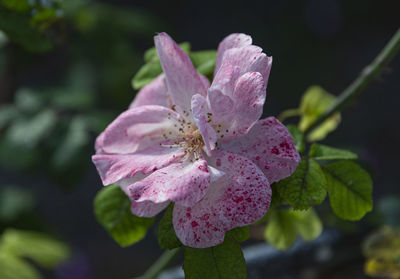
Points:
[(269, 145), (148, 208), (154, 93), (239, 198), (98, 146), (220, 93), (249, 59), (205, 81), (199, 110), (232, 41), (185, 183), (182, 79), (139, 128), (248, 99), (114, 167), (145, 208)]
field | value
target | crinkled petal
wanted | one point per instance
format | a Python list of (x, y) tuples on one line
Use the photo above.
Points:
[(154, 93), (139, 128), (144, 208), (148, 208), (239, 198), (205, 81), (249, 59), (233, 115), (182, 79), (114, 167), (184, 183), (232, 41), (98, 146), (199, 110), (269, 145)]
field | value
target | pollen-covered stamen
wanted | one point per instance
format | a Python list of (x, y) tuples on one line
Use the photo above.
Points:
[(193, 142)]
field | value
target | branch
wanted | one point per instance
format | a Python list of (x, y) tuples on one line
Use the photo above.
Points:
[(367, 75), (161, 263)]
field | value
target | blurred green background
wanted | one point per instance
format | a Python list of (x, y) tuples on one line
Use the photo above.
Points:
[(66, 70)]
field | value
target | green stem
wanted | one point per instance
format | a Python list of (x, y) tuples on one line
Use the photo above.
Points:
[(162, 262), (367, 75)]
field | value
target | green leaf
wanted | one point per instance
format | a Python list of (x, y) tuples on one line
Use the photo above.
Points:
[(18, 28), (146, 74), (285, 225), (28, 100), (71, 145), (14, 268), (240, 234), (29, 131), (224, 261), (349, 189), (112, 210), (13, 202), (40, 248), (149, 71), (298, 137), (204, 61), (307, 223), (305, 187), (7, 114), (324, 152), (314, 103), (167, 238), (281, 230), (16, 5)]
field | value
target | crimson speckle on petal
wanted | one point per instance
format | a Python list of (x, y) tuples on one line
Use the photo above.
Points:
[(198, 144)]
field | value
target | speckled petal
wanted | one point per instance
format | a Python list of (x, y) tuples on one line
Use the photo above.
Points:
[(199, 110), (184, 183), (182, 79), (239, 198), (98, 146), (154, 93), (232, 41), (233, 115), (148, 208), (145, 208), (249, 59), (139, 128), (270, 146), (114, 167)]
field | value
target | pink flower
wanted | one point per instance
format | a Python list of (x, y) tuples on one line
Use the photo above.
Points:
[(198, 145)]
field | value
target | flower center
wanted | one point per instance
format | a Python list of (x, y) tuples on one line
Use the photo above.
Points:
[(193, 141)]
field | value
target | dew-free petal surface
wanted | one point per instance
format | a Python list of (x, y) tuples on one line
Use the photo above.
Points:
[(239, 198)]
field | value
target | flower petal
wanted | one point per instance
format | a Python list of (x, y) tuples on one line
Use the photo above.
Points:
[(114, 167), (269, 145), (232, 41), (154, 93), (182, 79), (239, 198), (98, 146), (234, 113), (145, 208), (139, 128), (199, 109), (249, 59), (184, 183), (148, 208)]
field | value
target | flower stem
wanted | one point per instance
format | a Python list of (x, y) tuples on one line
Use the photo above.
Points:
[(162, 262), (367, 75)]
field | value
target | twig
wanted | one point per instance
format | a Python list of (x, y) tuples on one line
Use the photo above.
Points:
[(367, 75), (162, 262)]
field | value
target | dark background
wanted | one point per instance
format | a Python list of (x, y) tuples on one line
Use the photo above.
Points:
[(312, 42)]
